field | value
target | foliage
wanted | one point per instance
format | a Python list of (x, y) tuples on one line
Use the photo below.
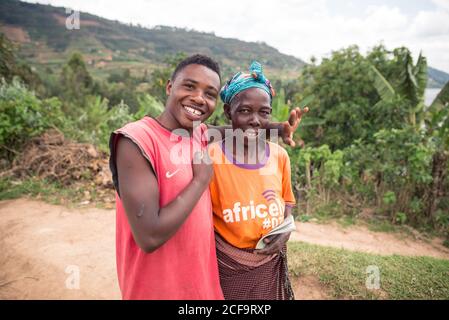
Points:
[(11, 67), (343, 97), (23, 116), (98, 119), (356, 95), (392, 174), (410, 84), (76, 84), (161, 75)]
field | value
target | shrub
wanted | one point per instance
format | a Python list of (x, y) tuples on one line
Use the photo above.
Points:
[(23, 116)]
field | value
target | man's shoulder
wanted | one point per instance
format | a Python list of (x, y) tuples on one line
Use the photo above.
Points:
[(143, 129), (142, 124), (143, 133)]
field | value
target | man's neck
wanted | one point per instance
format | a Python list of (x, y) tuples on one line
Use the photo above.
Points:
[(169, 122)]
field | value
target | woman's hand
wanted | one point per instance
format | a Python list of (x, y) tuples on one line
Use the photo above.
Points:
[(274, 244)]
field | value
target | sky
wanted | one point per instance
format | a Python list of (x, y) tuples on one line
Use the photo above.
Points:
[(302, 28)]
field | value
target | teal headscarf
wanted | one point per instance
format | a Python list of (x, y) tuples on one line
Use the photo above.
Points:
[(242, 81)]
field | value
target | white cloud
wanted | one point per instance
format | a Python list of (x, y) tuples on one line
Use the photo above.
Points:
[(431, 23), (442, 4)]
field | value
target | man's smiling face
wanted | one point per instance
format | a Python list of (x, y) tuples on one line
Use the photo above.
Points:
[(192, 95)]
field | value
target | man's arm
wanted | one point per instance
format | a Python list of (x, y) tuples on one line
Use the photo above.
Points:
[(151, 225), (285, 129)]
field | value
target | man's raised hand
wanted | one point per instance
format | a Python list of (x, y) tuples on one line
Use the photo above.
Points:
[(290, 126)]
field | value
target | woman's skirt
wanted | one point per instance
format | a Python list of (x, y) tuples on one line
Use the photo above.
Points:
[(248, 276)]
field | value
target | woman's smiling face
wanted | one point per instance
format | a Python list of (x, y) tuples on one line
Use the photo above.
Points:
[(249, 111)]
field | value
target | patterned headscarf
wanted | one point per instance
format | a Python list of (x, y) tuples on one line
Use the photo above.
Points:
[(242, 81)]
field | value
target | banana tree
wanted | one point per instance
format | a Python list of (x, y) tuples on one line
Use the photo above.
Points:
[(437, 123), (280, 109), (437, 117), (410, 83)]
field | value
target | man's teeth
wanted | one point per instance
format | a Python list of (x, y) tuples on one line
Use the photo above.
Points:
[(193, 111), (251, 133)]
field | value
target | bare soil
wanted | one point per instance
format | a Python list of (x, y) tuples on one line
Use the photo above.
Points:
[(53, 252), (360, 238)]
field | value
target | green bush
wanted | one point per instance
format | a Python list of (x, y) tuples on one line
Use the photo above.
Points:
[(393, 174), (23, 116), (98, 120)]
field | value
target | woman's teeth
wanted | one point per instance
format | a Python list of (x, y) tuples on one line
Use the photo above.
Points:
[(193, 111)]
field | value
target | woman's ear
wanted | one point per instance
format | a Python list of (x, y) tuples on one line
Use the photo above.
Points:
[(227, 111), (168, 87)]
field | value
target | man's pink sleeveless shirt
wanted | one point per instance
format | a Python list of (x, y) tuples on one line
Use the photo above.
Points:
[(185, 267)]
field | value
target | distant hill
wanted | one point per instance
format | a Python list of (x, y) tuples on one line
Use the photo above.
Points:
[(107, 45), (110, 45), (437, 78)]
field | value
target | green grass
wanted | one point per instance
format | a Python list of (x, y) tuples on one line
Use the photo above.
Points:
[(347, 221), (48, 191), (386, 226), (344, 273), (332, 212), (382, 226), (327, 213), (344, 221)]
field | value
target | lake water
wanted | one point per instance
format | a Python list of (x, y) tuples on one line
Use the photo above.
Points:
[(429, 95)]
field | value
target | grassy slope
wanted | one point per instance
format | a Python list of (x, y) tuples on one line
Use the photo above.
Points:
[(344, 273)]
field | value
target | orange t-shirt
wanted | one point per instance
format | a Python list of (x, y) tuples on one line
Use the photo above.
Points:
[(249, 200)]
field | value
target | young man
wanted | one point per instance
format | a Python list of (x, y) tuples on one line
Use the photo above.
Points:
[(165, 242)]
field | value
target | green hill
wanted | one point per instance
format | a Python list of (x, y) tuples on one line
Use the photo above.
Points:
[(111, 45), (107, 45), (437, 78)]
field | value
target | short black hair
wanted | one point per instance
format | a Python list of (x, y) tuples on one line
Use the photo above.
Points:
[(197, 59)]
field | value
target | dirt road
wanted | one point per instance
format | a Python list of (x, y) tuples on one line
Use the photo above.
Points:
[(44, 247), (52, 252)]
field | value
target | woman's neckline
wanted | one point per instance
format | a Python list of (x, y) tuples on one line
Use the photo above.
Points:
[(229, 155)]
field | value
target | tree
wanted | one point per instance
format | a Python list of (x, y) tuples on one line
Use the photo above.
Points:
[(10, 67), (7, 59), (410, 84), (356, 95), (76, 83), (437, 124), (160, 76), (341, 110)]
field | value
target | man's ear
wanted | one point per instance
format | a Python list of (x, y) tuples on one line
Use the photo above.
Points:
[(168, 87), (227, 111)]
